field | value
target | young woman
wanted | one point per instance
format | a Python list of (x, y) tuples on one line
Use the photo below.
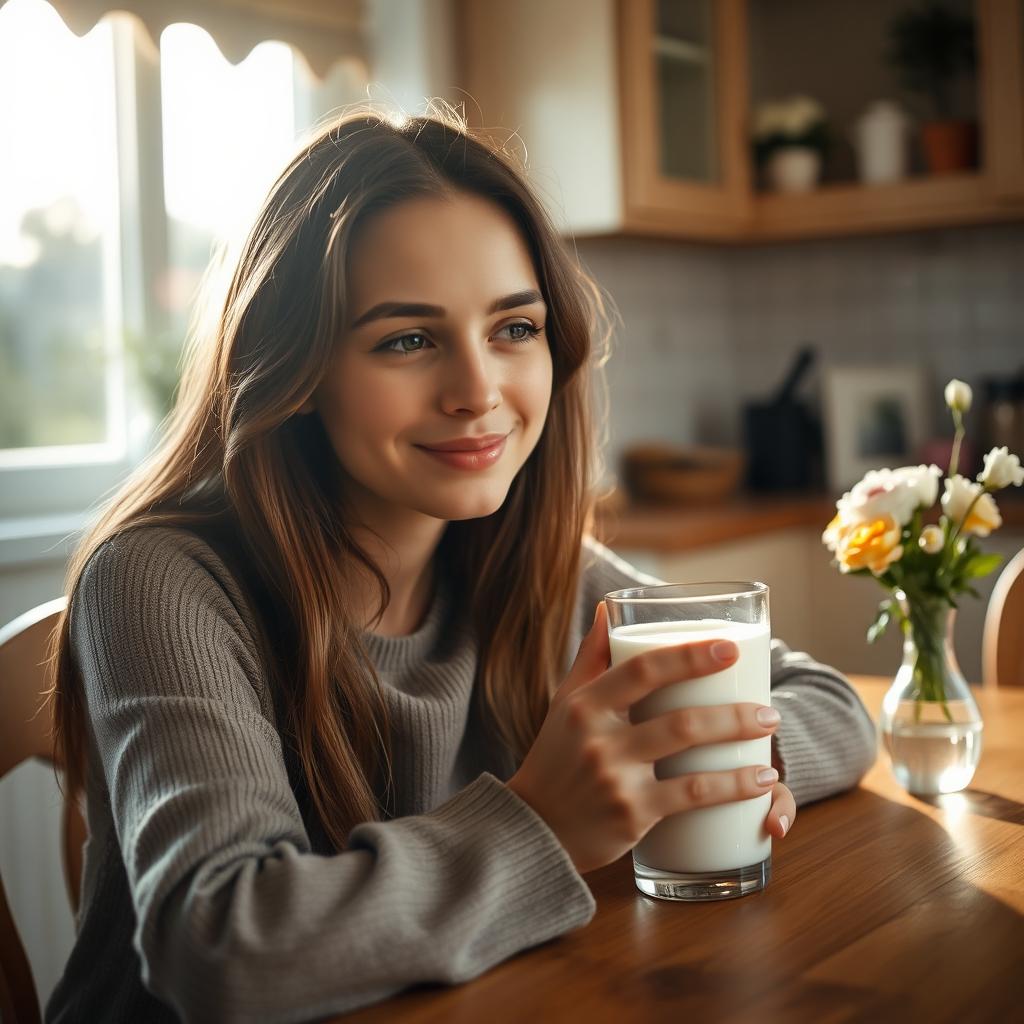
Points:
[(322, 680)]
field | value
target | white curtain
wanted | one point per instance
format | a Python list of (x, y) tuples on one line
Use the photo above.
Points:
[(324, 31)]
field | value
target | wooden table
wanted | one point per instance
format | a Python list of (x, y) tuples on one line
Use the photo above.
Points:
[(883, 906)]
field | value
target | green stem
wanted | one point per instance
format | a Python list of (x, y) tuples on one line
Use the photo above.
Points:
[(954, 458), (927, 632)]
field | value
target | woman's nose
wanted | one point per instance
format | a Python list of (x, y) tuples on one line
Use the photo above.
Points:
[(471, 382)]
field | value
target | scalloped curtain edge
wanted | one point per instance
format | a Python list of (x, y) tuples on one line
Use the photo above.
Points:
[(323, 31)]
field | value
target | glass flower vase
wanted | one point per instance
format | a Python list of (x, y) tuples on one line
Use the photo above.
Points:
[(930, 723)]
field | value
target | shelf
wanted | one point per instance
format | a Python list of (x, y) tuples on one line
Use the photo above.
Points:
[(681, 50), (906, 205)]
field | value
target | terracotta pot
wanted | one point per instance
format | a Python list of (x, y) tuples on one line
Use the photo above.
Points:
[(949, 146)]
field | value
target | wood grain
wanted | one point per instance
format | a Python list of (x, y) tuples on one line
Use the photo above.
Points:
[(882, 905)]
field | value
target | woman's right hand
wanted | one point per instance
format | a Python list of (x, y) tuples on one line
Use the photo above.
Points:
[(590, 772)]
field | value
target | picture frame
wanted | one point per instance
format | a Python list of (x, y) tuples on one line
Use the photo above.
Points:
[(875, 417)]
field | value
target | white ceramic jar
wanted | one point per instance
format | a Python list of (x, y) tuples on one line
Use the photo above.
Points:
[(880, 137)]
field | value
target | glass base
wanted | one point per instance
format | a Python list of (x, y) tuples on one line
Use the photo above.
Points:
[(698, 886)]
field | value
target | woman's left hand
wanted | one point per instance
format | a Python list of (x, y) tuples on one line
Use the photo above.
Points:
[(783, 813)]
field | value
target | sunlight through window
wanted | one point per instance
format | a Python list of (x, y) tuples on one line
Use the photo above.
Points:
[(58, 232)]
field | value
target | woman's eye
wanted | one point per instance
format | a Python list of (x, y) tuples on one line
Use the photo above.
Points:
[(407, 344), (389, 346), (521, 331)]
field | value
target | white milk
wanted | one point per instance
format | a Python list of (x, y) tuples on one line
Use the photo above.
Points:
[(727, 835)]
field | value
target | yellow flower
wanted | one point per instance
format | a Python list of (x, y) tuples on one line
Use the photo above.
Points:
[(834, 532), (874, 545), (984, 517), (931, 540)]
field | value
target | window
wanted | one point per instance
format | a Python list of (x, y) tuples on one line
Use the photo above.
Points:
[(107, 222), (59, 372)]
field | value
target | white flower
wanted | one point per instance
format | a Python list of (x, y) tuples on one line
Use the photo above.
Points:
[(792, 117), (1002, 469), (960, 493), (958, 395), (800, 115), (768, 120), (924, 480), (931, 540), (893, 492)]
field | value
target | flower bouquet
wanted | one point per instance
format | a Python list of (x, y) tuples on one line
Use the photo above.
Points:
[(930, 721)]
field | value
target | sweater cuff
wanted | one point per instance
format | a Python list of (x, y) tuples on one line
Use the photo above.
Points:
[(797, 753), (824, 745), (541, 890)]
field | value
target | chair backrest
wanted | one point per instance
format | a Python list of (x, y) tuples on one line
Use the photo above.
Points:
[(1002, 648), (25, 732)]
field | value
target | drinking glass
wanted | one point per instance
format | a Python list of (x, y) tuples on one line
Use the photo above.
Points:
[(723, 851)]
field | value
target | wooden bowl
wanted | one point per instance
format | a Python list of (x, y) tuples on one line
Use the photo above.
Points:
[(692, 475)]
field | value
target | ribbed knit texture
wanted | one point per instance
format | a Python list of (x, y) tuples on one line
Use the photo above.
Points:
[(204, 897)]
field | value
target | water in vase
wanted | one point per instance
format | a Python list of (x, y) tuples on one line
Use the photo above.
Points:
[(931, 758)]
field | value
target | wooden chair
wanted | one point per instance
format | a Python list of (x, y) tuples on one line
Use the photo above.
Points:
[(1002, 647), (25, 732)]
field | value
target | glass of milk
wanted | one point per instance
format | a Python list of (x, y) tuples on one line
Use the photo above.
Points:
[(718, 852)]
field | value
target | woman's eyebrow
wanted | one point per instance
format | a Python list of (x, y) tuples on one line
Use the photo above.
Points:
[(384, 310)]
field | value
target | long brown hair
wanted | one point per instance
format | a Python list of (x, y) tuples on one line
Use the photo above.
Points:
[(233, 447)]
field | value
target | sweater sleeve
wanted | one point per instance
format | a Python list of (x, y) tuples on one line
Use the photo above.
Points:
[(236, 918), (826, 741)]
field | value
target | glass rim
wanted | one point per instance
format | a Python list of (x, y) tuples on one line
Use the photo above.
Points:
[(716, 590)]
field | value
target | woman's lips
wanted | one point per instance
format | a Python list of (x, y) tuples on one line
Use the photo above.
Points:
[(469, 460)]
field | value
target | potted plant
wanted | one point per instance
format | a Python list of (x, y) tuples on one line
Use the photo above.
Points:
[(933, 47), (790, 139)]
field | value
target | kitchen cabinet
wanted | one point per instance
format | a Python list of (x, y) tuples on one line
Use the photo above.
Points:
[(1003, 42), (635, 114)]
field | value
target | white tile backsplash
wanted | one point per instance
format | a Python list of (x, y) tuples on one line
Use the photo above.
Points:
[(705, 328)]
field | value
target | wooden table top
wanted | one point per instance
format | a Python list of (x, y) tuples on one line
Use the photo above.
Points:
[(882, 905)]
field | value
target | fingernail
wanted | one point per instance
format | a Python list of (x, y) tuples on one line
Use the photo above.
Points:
[(723, 650), (768, 716), (784, 822), (766, 776)]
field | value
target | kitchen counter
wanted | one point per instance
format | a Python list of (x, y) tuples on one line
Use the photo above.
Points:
[(672, 528)]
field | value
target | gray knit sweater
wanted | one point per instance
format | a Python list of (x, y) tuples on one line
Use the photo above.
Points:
[(204, 896)]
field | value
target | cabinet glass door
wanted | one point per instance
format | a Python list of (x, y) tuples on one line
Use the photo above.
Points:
[(684, 54)]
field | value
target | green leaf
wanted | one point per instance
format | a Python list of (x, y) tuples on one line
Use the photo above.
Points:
[(980, 565), (877, 628)]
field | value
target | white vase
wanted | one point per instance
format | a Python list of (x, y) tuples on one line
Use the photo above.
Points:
[(794, 169)]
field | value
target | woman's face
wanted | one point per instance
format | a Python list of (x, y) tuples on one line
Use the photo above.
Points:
[(445, 342)]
